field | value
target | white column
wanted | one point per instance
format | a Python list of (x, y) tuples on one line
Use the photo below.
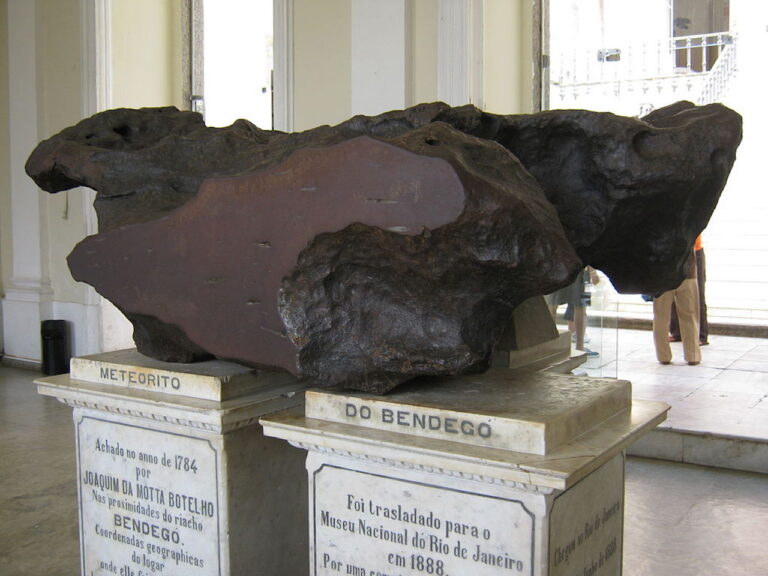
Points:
[(460, 52), (96, 75), (28, 297), (100, 326), (96, 90), (381, 53), (282, 16)]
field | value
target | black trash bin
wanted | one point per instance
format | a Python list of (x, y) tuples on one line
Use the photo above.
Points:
[(55, 341)]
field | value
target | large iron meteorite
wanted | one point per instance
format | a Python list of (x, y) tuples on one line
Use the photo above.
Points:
[(385, 247)]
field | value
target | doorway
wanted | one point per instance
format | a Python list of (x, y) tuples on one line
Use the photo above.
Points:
[(232, 63)]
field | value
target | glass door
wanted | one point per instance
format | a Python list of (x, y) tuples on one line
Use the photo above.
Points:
[(232, 62)]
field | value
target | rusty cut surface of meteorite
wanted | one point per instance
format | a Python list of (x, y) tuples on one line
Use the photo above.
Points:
[(215, 265), (385, 247)]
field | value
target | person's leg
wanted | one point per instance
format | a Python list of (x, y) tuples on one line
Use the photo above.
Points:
[(573, 301), (662, 306), (701, 278), (580, 325), (674, 326), (568, 317), (687, 300)]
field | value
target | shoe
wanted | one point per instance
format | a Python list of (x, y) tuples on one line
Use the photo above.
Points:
[(674, 339), (667, 363), (694, 363), (590, 353), (587, 339), (703, 343)]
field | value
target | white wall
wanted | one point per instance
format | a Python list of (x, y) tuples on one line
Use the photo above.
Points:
[(321, 62), (146, 53), (28, 290), (380, 48), (424, 29), (370, 56), (508, 56), (44, 59), (44, 88)]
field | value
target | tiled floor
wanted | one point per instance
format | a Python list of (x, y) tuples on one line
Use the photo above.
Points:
[(719, 407), (38, 499), (681, 519), (684, 520)]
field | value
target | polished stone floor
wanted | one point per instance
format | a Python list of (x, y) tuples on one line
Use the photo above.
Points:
[(719, 414), (726, 394), (680, 519), (38, 502), (685, 520)]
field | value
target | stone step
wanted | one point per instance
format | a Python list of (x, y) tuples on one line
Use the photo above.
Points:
[(704, 448)]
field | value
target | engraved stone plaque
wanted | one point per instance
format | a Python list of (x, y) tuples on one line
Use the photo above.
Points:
[(149, 500), (586, 525), (368, 524)]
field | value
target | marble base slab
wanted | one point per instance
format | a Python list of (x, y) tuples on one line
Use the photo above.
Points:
[(171, 484), (391, 499), (532, 412), (212, 380)]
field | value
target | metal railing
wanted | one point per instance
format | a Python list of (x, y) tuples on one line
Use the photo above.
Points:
[(699, 53), (719, 77), (685, 65)]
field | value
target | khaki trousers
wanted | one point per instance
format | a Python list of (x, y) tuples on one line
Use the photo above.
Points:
[(686, 299)]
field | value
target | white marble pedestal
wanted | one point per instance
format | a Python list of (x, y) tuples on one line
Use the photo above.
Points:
[(503, 473), (175, 477)]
